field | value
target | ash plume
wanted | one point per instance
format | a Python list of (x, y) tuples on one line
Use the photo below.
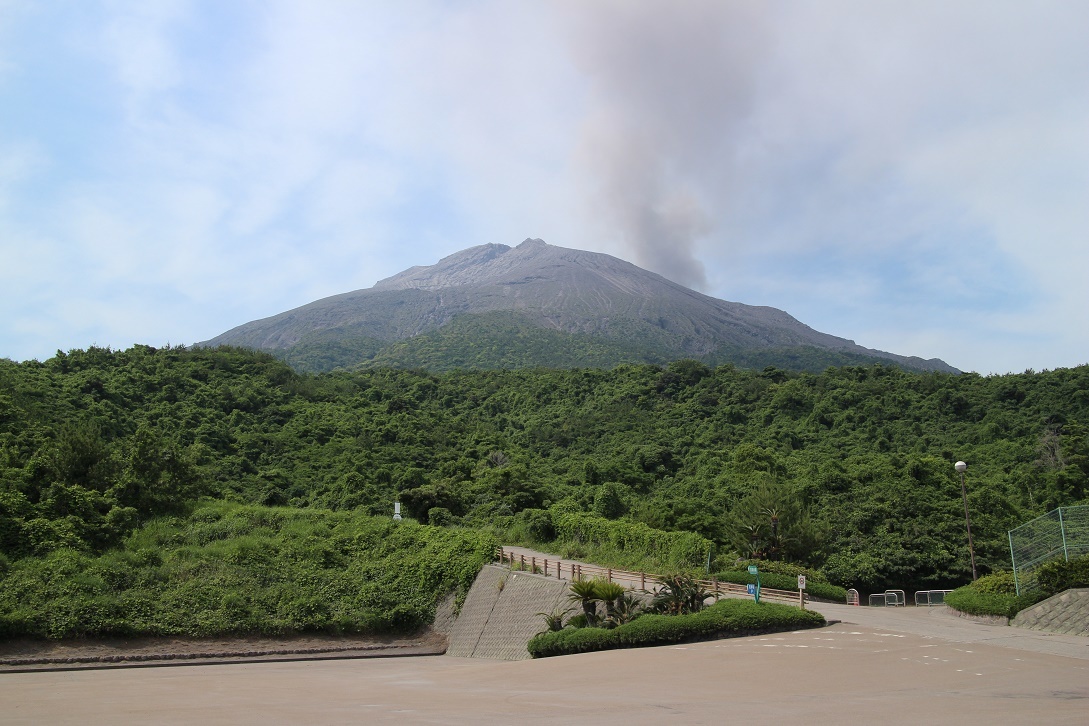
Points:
[(671, 85)]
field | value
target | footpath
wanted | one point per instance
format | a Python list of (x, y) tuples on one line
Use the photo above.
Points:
[(936, 621)]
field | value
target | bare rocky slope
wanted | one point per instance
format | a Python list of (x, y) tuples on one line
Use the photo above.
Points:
[(592, 296)]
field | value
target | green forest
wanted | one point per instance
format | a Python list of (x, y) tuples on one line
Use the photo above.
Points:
[(506, 340), (848, 472)]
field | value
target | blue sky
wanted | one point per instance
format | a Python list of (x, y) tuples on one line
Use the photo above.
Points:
[(913, 176)]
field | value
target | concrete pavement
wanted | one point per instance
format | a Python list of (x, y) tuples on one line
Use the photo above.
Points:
[(839, 674), (928, 622)]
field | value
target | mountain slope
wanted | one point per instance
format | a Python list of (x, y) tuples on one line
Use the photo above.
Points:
[(636, 314)]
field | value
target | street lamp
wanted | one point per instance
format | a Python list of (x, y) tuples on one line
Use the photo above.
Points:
[(960, 466), (774, 548)]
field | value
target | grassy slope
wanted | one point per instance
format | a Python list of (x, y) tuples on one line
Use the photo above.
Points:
[(230, 569)]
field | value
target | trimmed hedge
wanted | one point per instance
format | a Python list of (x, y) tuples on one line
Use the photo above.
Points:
[(973, 602), (820, 590), (969, 600), (726, 618), (996, 583)]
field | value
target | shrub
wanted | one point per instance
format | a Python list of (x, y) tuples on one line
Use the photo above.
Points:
[(626, 608), (1058, 575), (440, 516), (726, 618), (538, 524), (565, 642), (554, 621), (973, 602), (678, 595), (995, 594), (636, 544), (652, 629), (232, 569), (996, 583), (578, 621), (815, 589), (787, 569)]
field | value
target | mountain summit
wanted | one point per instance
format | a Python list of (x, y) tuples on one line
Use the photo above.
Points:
[(537, 304)]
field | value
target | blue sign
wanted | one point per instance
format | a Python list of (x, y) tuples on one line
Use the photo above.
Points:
[(750, 589)]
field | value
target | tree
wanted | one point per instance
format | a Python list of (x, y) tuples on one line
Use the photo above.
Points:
[(608, 502), (585, 593), (773, 523)]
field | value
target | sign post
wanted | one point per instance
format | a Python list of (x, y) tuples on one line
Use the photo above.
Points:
[(755, 590), (801, 591)]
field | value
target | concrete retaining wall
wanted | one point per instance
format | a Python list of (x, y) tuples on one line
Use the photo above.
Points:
[(500, 613), (1067, 612)]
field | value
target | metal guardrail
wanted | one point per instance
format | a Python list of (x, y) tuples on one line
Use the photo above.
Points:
[(635, 580), (931, 597), (888, 598), (648, 582)]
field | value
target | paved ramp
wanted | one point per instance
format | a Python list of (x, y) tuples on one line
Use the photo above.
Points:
[(500, 613), (1066, 613)]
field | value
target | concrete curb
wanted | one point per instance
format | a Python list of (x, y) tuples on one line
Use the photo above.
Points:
[(1000, 620), (45, 665)]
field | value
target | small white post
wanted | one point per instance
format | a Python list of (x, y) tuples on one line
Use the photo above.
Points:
[(396, 511)]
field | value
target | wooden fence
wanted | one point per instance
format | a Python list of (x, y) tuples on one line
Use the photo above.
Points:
[(634, 580)]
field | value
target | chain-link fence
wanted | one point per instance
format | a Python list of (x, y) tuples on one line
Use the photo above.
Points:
[(1061, 533)]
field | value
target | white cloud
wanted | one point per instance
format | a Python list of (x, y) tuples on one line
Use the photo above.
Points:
[(894, 176), (949, 140), (135, 39)]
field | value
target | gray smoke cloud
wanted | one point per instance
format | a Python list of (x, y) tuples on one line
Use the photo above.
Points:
[(671, 84)]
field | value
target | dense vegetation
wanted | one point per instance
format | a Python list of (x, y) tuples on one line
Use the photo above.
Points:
[(725, 618), (505, 340), (233, 569), (849, 471)]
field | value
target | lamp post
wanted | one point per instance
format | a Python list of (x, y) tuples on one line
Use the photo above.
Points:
[(960, 466), (774, 548)]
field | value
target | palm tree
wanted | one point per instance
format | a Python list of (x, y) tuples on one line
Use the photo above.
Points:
[(609, 593), (626, 608), (585, 593)]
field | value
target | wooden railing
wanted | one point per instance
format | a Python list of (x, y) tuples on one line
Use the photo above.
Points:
[(556, 567)]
